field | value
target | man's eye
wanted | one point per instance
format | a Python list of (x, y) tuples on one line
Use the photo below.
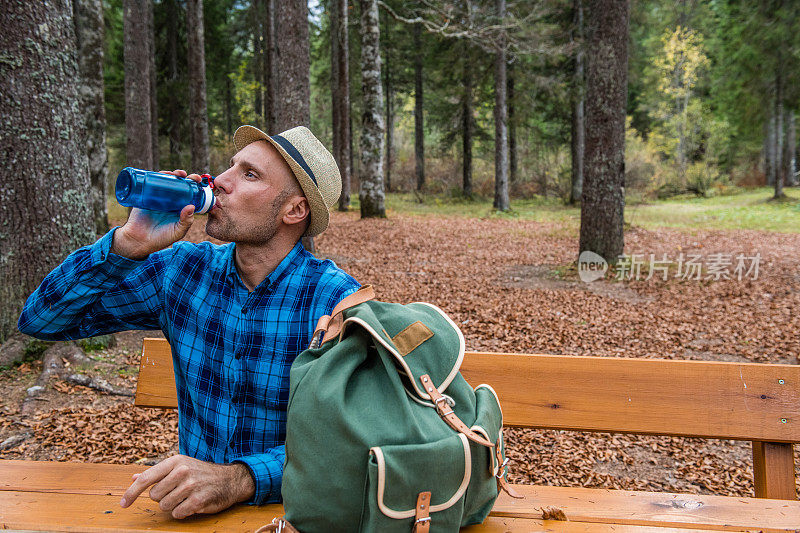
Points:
[(250, 175)]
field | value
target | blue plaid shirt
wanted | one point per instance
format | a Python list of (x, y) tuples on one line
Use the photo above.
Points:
[(232, 348)]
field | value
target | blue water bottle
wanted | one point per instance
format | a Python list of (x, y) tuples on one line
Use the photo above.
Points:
[(162, 192)]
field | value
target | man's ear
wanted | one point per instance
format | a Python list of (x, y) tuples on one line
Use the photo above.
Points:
[(298, 211)]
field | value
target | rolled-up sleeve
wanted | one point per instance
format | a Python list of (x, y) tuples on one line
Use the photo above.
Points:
[(267, 471)]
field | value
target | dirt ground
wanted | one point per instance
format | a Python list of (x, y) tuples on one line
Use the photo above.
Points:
[(511, 285)]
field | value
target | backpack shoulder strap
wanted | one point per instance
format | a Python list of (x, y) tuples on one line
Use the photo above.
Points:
[(331, 324)]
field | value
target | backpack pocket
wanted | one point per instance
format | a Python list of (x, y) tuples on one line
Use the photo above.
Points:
[(396, 474)]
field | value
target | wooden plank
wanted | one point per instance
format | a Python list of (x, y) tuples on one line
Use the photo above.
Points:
[(43, 480), (647, 396), (155, 386), (773, 470), (36, 511), (44, 511), (653, 509), (67, 478), (498, 524)]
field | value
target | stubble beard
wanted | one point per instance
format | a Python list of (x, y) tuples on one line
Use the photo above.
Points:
[(227, 230)]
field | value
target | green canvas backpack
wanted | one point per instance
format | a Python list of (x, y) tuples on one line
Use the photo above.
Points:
[(383, 433)]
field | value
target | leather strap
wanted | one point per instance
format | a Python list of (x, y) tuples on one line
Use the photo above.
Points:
[(502, 483), (447, 414), (332, 324), (278, 525), (422, 520)]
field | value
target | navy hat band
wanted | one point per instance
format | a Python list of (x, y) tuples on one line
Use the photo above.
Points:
[(295, 154)]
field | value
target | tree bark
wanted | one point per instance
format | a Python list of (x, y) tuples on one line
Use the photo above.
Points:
[(790, 149), (419, 131), (292, 65), (371, 194), (603, 199), (151, 59), (46, 196), (269, 77), (779, 168), (389, 124), (138, 116), (501, 201), (198, 113), (258, 61), (467, 124), (89, 31), (173, 128), (512, 128), (769, 149), (340, 94), (578, 116)]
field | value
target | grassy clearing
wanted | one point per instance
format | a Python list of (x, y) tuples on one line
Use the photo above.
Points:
[(750, 209)]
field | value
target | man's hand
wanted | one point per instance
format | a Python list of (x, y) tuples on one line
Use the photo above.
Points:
[(185, 486), (146, 232)]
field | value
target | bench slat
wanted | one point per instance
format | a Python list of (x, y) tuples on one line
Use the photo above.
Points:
[(32, 496), (155, 386), (742, 401), (656, 509), (83, 512)]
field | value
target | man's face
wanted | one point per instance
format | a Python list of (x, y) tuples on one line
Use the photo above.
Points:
[(252, 195)]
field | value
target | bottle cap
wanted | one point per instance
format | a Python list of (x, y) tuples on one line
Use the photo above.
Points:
[(208, 200)]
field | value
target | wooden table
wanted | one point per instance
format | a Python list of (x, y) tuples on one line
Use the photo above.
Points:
[(44, 496)]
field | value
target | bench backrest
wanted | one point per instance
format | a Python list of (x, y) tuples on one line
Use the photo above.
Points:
[(744, 401)]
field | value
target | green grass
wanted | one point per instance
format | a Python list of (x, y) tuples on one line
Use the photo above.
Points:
[(750, 209)]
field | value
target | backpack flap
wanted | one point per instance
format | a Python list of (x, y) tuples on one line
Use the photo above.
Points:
[(421, 338), (397, 474)]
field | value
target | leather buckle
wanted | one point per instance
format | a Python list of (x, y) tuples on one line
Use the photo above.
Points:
[(502, 470), (423, 520)]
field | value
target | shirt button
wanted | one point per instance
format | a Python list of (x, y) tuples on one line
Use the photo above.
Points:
[(238, 355), (244, 310)]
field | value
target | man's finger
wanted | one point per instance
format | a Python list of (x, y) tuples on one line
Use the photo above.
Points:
[(179, 172), (152, 475), (188, 507), (195, 177)]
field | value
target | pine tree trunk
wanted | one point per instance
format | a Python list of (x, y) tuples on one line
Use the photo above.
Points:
[(578, 116), (603, 199), (340, 92), (769, 149), (790, 149), (269, 78), (292, 64), (46, 195), (151, 58), (173, 128), (419, 132), (138, 117), (389, 125), (371, 194), (89, 30), (467, 124), (198, 114), (258, 60), (779, 168), (512, 128), (501, 201)]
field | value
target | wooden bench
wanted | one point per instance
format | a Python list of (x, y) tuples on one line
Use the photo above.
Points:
[(754, 402)]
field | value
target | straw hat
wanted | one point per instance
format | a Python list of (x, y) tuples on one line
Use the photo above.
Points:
[(312, 164)]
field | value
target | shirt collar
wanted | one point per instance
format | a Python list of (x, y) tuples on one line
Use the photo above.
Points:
[(293, 259)]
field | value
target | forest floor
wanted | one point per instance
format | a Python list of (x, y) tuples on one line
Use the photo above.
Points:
[(511, 285)]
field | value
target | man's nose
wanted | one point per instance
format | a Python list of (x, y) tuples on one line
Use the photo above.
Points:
[(223, 181)]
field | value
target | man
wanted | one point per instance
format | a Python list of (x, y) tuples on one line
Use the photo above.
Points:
[(236, 315)]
